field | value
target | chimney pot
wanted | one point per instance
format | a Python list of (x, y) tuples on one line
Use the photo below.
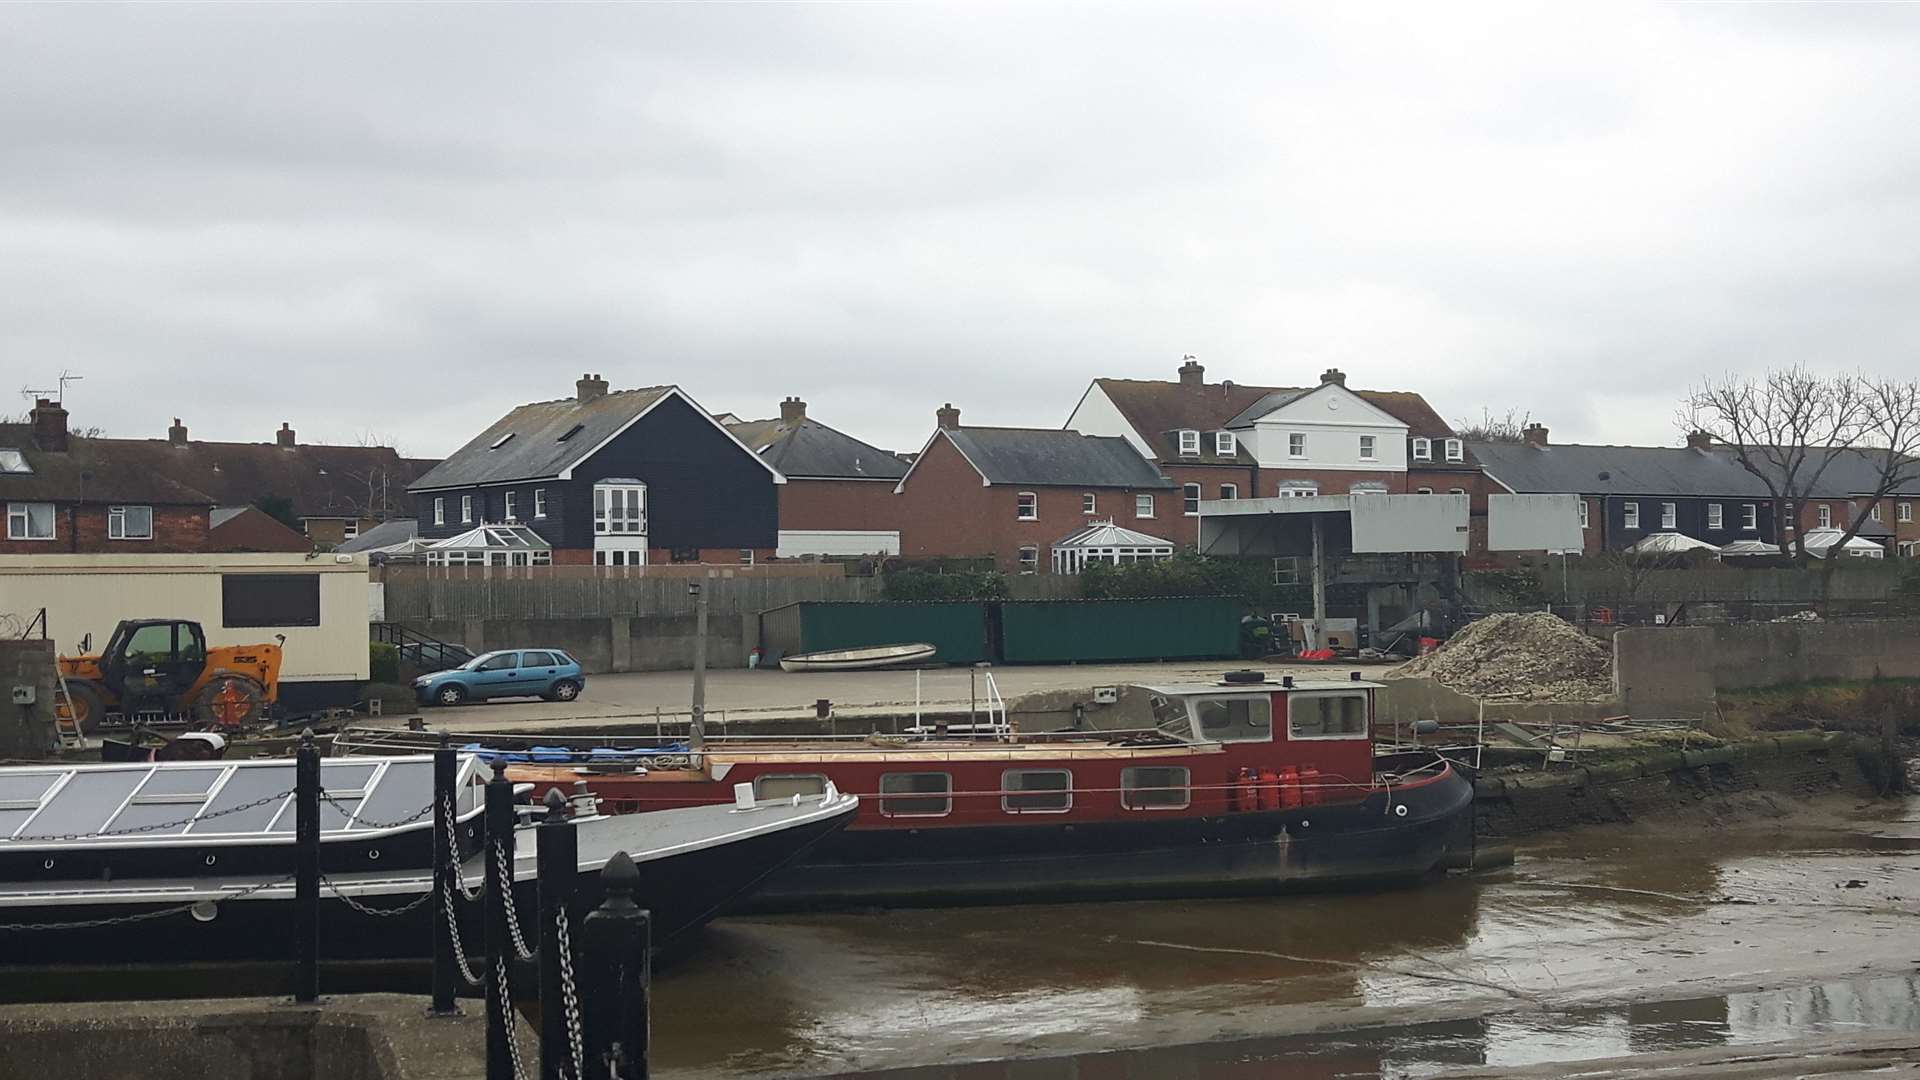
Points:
[(49, 419), (1333, 375), (947, 417), (1534, 435), (1192, 372), (177, 434), (792, 410), (1699, 440), (285, 435), (589, 388)]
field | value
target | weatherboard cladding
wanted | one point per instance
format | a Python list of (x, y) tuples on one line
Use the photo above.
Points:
[(1043, 458), (812, 450), (536, 450)]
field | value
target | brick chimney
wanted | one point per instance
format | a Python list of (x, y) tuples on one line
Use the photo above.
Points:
[(177, 434), (947, 417), (1192, 373), (1699, 440), (1333, 375), (1534, 435), (49, 420), (284, 437), (589, 388), (792, 410)]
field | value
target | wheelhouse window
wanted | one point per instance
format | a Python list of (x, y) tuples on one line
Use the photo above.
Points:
[(916, 794), (1327, 716), (1143, 506), (1190, 499), (1155, 788), (1224, 444), (1423, 449), (1036, 791), (1750, 516), (1189, 442), (787, 785), (1026, 506), (619, 508), (1235, 719), (130, 523), (30, 521)]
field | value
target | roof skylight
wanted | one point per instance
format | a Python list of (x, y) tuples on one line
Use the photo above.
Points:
[(13, 461), (570, 433), (501, 441)]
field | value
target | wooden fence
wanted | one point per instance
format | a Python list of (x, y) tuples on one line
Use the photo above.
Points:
[(422, 593)]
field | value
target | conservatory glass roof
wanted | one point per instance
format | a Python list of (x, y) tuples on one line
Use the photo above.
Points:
[(494, 538)]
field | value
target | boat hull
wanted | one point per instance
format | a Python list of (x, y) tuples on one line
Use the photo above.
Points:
[(859, 659)]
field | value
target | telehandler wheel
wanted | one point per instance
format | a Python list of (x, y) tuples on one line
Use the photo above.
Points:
[(89, 705), (230, 701)]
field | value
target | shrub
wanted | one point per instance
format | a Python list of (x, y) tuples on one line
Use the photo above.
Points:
[(911, 584), (383, 662)]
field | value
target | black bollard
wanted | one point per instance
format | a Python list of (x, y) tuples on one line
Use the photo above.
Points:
[(306, 870), (446, 864), (557, 862), (619, 966), (500, 955)]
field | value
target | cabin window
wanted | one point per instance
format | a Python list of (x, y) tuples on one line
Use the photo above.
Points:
[(786, 786), (1154, 788), (916, 794), (1327, 716), (1036, 791), (1235, 719)]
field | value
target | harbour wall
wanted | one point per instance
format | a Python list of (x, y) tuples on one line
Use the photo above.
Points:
[(1678, 671)]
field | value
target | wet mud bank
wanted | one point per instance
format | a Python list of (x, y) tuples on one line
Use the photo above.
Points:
[(1756, 779)]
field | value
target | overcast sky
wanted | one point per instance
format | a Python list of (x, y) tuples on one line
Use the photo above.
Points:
[(404, 220)]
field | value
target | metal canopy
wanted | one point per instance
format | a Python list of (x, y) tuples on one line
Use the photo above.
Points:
[(228, 799), (1362, 524)]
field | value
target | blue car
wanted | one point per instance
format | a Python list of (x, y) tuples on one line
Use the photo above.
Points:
[(546, 673)]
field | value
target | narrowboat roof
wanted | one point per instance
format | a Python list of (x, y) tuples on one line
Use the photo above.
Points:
[(1198, 689)]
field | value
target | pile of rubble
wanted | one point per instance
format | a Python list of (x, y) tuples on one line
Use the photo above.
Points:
[(1533, 656)]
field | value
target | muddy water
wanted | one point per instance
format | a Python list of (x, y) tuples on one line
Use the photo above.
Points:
[(1592, 944)]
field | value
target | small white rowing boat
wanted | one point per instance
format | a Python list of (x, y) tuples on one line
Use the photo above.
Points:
[(873, 656)]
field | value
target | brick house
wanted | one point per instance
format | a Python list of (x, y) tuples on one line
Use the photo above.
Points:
[(622, 478), (839, 496), (1012, 493), (1229, 440), (65, 493)]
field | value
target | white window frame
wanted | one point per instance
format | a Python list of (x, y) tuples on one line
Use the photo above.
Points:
[(1366, 725), (1456, 450), (1189, 442), (1716, 519), (466, 509), (1190, 496), (1903, 511), (1143, 506), (1297, 438), (1029, 556), (1824, 515), (1088, 503), (1669, 515), (1225, 444), (1369, 448), (350, 529), (507, 510), (1874, 511), (1630, 515), (539, 502), (1586, 515), (1186, 785), (883, 795), (20, 521), (117, 523), (439, 509), (1750, 517), (1297, 489), (1229, 492), (1792, 521), (1007, 793), (1423, 491), (746, 556), (1423, 449), (1026, 506), (606, 495)]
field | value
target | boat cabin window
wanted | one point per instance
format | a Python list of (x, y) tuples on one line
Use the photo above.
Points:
[(1036, 791), (1235, 719), (1154, 788), (788, 785), (1327, 716), (1170, 716), (916, 794)]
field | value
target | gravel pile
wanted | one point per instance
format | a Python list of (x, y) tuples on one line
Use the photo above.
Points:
[(1533, 656)]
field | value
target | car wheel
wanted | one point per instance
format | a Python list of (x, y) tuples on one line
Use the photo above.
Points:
[(564, 690), (450, 694)]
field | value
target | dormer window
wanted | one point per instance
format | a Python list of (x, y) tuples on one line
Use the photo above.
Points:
[(1423, 449), (1224, 444), (13, 461), (1456, 450), (1189, 442), (568, 434), (501, 441)]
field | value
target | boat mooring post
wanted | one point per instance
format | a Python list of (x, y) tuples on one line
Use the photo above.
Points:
[(619, 936), (500, 954), (306, 870), (446, 863), (557, 862)]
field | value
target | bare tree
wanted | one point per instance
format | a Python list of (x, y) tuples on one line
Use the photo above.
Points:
[(1888, 453), (1510, 428), (1787, 429)]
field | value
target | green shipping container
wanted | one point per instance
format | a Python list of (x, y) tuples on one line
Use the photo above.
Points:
[(957, 629), (1088, 631)]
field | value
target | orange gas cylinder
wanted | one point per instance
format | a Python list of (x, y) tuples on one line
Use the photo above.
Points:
[(1311, 793), (1243, 796), (1289, 787), (1269, 789)]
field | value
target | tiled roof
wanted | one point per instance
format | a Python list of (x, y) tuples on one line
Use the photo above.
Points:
[(1158, 410), (538, 445), (810, 449), (320, 480), (1044, 457), (93, 470)]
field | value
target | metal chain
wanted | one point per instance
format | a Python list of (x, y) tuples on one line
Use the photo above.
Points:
[(349, 812), (453, 847), (570, 994), (145, 916), (506, 1013), (506, 893), (191, 819), (378, 913), (453, 934)]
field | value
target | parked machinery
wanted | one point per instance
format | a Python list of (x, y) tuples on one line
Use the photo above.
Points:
[(160, 672)]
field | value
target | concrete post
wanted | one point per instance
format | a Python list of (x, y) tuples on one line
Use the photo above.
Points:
[(1319, 583), (697, 727), (619, 643)]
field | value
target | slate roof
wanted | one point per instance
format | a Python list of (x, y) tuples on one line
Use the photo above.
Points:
[(1570, 468), (1853, 472), (1159, 409), (320, 480), (386, 534), (536, 450), (810, 449), (1044, 457), (93, 471)]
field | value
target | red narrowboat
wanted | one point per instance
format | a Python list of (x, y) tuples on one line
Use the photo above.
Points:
[(1236, 788)]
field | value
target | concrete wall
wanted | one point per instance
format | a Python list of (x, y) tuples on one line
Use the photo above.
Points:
[(26, 732), (645, 643), (1405, 701), (1677, 671)]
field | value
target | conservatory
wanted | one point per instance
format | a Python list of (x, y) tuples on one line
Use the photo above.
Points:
[(492, 545), (1105, 542)]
